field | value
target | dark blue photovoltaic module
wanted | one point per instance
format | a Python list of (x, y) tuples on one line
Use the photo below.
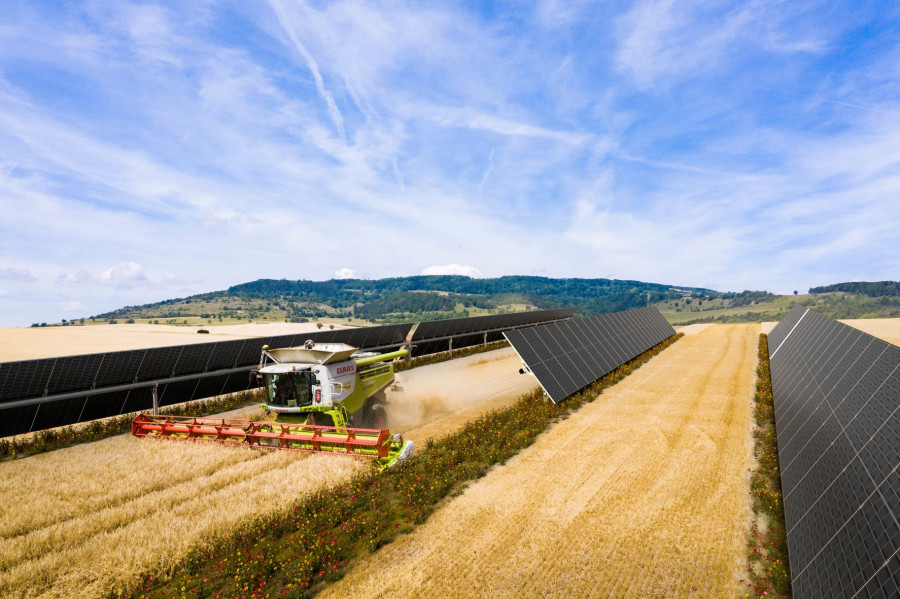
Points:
[(567, 356), (837, 416)]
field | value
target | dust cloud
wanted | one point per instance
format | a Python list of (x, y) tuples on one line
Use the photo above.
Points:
[(437, 398)]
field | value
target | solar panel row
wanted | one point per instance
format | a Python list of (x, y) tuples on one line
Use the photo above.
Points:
[(23, 419), (837, 415), (40, 378), (567, 356), (32, 379), (433, 337), (36, 378)]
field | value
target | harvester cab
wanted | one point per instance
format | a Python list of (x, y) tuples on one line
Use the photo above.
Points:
[(327, 384), (326, 398)]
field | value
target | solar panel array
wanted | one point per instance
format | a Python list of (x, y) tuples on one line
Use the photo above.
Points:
[(434, 336), (569, 355), (837, 417), (23, 383), (40, 394)]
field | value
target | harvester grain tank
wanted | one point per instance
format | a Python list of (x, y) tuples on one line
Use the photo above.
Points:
[(327, 397)]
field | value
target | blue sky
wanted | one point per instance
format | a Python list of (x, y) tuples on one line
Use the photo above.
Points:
[(149, 151)]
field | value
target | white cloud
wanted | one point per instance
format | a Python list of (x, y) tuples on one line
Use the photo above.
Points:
[(667, 40), (3, 292), (345, 273), (73, 307), (394, 135), (124, 273), (333, 110), (452, 269), (20, 275)]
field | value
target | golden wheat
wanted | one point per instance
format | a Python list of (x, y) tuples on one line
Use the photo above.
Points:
[(80, 521), (886, 329), (642, 493), (84, 520)]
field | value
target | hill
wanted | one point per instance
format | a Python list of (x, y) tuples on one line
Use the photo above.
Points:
[(401, 299)]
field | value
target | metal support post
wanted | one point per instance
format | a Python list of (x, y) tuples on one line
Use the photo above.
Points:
[(155, 401)]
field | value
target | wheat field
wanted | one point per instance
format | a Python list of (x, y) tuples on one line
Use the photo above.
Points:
[(642, 493), (886, 329), (81, 521)]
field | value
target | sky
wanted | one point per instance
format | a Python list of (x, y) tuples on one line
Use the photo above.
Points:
[(157, 150)]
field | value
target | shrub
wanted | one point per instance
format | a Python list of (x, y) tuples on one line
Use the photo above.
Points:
[(767, 556)]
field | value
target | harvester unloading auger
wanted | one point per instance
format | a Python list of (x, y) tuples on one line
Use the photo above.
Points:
[(326, 397)]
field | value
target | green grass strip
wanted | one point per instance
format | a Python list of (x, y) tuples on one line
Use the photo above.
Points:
[(767, 555), (296, 553)]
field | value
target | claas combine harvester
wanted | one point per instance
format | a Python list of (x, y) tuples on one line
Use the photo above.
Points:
[(326, 397)]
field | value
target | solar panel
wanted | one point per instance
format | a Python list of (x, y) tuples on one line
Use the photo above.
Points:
[(569, 355), (436, 336), (37, 379), (837, 416), (458, 326)]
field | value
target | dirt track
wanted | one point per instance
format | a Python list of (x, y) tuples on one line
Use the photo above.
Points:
[(78, 521), (439, 398), (642, 493)]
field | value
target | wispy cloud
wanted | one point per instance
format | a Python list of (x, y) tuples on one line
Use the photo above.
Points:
[(727, 144), (19, 275), (333, 110)]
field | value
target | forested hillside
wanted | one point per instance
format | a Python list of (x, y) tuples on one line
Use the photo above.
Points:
[(404, 298), (874, 289)]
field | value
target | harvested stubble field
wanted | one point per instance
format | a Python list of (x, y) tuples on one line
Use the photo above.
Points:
[(642, 493), (439, 398), (87, 519), (47, 342)]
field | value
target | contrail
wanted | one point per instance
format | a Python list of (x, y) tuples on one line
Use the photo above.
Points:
[(487, 173), (333, 111)]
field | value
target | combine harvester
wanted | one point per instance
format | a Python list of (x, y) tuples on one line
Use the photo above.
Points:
[(316, 391)]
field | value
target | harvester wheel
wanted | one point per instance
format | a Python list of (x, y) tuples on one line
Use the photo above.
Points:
[(377, 416)]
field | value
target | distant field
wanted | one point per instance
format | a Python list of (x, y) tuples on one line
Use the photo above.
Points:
[(837, 305), (887, 329), (768, 310), (48, 342)]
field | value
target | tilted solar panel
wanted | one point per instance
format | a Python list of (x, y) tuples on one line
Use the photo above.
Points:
[(459, 326), (39, 380), (837, 415), (569, 355)]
